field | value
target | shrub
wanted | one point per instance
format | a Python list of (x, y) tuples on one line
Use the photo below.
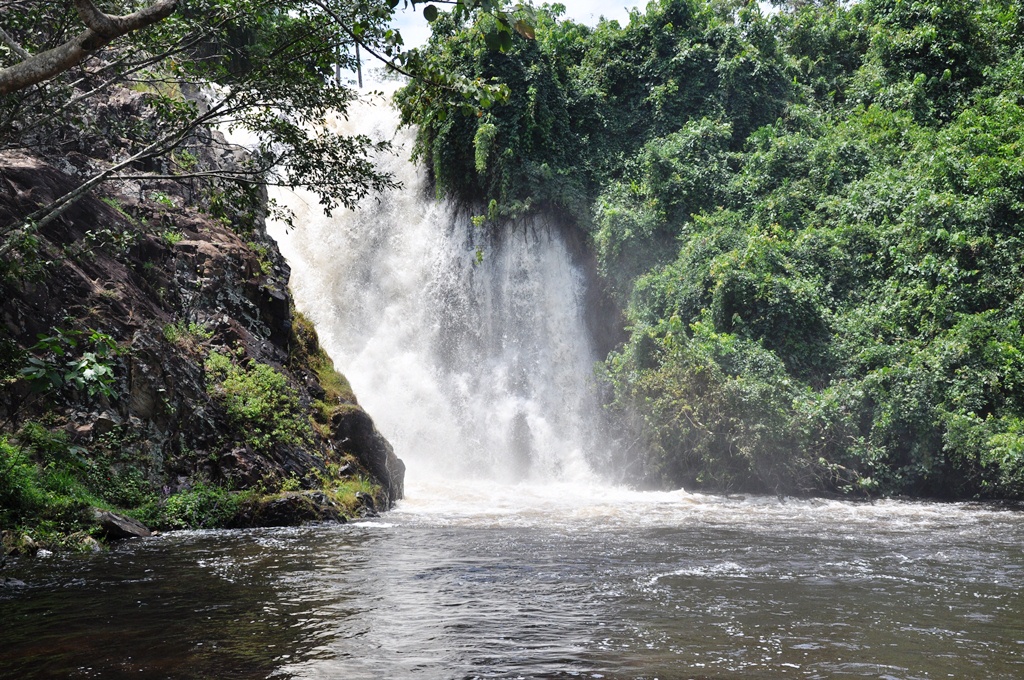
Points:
[(20, 492), (204, 506), (187, 335), (259, 402)]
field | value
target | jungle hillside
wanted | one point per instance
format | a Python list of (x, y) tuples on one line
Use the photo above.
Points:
[(811, 219)]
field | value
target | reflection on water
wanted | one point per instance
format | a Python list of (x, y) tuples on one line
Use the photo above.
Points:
[(543, 582)]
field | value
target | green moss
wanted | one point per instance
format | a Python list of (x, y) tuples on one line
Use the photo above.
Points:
[(345, 492), (306, 350)]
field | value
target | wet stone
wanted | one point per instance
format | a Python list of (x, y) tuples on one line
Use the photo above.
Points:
[(117, 527)]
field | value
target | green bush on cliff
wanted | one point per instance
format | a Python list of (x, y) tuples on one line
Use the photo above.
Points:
[(260, 403)]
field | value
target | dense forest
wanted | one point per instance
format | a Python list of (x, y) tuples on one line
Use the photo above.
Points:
[(811, 218)]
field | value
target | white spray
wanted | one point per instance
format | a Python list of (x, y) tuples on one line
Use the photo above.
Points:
[(471, 369)]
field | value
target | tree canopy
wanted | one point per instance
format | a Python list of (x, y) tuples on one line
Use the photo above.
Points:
[(264, 67)]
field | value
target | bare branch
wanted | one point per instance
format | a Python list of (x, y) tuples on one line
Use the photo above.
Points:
[(13, 45), (102, 28)]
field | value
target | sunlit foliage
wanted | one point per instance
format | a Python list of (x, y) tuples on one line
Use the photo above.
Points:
[(812, 220)]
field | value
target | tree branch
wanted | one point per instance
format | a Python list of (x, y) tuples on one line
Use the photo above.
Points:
[(94, 18), (101, 29), (13, 45), (47, 214)]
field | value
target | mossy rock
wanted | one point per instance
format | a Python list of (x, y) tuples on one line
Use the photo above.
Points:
[(288, 509)]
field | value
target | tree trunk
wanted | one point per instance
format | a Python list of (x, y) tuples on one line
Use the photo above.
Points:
[(101, 29)]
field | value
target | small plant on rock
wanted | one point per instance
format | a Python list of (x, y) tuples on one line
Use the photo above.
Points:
[(58, 362)]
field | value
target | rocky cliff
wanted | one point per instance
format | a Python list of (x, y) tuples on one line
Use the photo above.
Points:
[(151, 352)]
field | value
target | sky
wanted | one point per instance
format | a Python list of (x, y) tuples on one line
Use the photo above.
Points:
[(415, 29)]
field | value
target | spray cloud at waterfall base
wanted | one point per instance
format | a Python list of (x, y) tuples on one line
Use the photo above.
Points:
[(474, 368)]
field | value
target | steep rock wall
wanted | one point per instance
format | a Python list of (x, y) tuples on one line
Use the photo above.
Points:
[(138, 262)]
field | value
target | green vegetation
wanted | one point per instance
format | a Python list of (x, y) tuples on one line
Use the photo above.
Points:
[(187, 334), (48, 486), (56, 362), (171, 237), (273, 64), (812, 221), (143, 116), (204, 506), (346, 492), (306, 351), (263, 257), (259, 401)]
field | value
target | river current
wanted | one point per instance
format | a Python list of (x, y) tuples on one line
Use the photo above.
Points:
[(513, 581), (517, 553)]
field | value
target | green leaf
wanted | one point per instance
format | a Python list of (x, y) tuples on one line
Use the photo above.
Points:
[(505, 41), (430, 13), (493, 41)]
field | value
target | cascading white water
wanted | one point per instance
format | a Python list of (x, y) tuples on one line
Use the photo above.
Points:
[(470, 368)]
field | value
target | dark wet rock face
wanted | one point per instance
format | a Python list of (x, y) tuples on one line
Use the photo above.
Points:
[(354, 430)]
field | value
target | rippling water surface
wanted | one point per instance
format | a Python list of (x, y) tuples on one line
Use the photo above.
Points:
[(493, 581)]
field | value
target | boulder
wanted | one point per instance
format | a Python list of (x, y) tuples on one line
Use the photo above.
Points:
[(354, 432), (116, 527)]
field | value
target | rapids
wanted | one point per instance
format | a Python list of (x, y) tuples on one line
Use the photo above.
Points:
[(542, 581)]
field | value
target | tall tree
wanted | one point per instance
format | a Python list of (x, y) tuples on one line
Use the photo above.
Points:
[(262, 66)]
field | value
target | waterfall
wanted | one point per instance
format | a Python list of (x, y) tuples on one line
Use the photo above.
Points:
[(473, 367)]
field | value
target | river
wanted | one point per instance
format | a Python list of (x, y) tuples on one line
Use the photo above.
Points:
[(513, 581), (517, 552)]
